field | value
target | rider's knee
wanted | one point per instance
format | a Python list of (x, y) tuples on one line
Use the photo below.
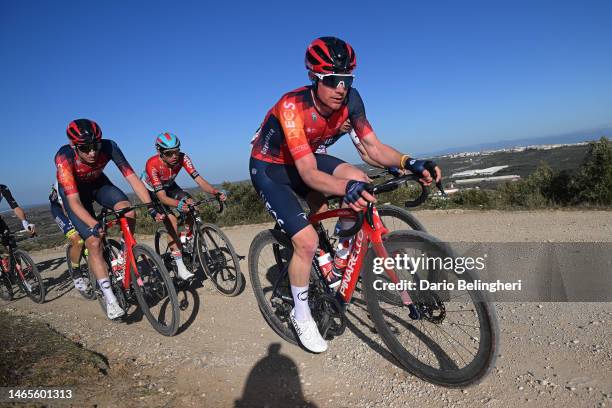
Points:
[(130, 214), (306, 242), (75, 239), (93, 244)]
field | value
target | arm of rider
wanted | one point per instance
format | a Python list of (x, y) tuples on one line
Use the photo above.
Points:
[(327, 184), (208, 188), (143, 194), (77, 208), (389, 157), (31, 228), (165, 200), (366, 158)]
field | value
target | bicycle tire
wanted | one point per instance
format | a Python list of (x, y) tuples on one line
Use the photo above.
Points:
[(152, 291), (488, 330), (279, 322), (6, 287), (209, 258), (89, 294), (39, 295), (402, 215)]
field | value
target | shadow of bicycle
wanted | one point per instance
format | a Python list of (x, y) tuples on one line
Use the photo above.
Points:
[(55, 286)]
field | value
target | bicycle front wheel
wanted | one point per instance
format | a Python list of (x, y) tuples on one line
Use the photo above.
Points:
[(397, 218), (219, 260), (28, 277), (82, 271), (154, 291), (454, 341), (6, 287)]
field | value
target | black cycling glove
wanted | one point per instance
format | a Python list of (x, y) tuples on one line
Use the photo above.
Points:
[(354, 189)]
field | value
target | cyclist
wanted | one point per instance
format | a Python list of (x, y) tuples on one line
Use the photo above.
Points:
[(4, 229), (283, 162), (81, 181), (158, 177), (65, 225)]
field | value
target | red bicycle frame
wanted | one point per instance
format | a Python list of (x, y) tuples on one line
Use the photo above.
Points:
[(367, 234), (129, 242)]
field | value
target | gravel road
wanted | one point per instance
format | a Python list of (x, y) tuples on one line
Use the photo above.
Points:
[(552, 354)]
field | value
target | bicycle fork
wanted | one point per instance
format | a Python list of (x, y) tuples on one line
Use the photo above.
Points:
[(382, 253)]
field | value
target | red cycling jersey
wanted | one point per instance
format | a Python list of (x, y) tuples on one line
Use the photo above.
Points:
[(72, 171), (294, 127), (159, 175)]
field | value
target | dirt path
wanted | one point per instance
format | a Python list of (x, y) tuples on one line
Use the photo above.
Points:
[(552, 354)]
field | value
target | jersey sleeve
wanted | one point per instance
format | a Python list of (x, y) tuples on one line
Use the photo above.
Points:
[(119, 159), (189, 167), (293, 128), (357, 114), (65, 173), (6, 193), (153, 175)]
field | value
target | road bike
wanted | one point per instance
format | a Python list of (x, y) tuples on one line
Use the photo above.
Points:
[(136, 271), (18, 267), (446, 337), (208, 248)]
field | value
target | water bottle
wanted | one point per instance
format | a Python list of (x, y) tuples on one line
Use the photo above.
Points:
[(5, 264), (325, 263), (342, 254)]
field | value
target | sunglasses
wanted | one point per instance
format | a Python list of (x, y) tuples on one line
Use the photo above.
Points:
[(89, 147), (170, 153), (335, 80)]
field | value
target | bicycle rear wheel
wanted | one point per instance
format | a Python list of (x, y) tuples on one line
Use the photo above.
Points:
[(456, 341), (269, 256), (154, 291), (218, 258), (28, 277), (81, 272)]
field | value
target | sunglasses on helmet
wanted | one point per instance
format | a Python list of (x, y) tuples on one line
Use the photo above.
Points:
[(88, 147), (170, 152), (335, 80)]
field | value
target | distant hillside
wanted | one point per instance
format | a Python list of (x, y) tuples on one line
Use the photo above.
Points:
[(565, 138)]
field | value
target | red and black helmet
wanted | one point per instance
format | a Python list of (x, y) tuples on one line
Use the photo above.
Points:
[(83, 131), (330, 55)]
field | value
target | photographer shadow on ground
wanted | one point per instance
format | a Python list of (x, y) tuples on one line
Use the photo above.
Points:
[(273, 382)]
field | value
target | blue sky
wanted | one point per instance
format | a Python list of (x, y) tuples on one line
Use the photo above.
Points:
[(432, 74)]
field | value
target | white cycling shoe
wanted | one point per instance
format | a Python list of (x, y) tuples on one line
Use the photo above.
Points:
[(81, 284), (113, 310), (182, 270), (308, 332)]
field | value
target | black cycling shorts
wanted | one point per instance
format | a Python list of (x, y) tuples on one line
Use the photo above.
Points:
[(101, 191), (172, 191), (278, 185)]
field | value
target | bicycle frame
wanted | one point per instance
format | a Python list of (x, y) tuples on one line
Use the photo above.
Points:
[(16, 269), (370, 232), (130, 261)]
